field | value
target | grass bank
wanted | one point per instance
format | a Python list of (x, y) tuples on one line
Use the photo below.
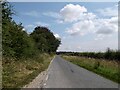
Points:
[(17, 73), (105, 68)]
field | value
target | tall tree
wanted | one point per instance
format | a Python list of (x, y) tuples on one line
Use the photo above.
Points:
[(44, 39)]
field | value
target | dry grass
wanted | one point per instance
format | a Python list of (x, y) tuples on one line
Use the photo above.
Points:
[(0, 73), (17, 73), (106, 68)]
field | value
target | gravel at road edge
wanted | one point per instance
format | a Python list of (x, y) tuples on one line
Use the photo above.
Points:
[(38, 82)]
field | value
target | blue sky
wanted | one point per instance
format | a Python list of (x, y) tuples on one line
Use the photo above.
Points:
[(81, 26)]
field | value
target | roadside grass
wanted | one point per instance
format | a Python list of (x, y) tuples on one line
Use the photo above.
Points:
[(0, 72), (105, 68), (17, 73)]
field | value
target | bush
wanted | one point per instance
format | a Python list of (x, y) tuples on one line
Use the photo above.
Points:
[(108, 55)]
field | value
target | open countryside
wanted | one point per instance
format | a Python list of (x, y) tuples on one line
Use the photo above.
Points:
[(60, 45)]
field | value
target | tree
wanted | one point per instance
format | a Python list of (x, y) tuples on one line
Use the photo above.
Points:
[(108, 53), (6, 23), (15, 42), (44, 39)]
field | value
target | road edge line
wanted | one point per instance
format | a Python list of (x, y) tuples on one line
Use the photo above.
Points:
[(47, 71), (50, 63)]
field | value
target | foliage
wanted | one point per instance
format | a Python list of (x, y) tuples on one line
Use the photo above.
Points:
[(18, 43), (108, 55), (44, 39)]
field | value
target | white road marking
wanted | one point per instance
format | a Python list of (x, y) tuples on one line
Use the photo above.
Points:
[(47, 71), (44, 84), (46, 78), (50, 63)]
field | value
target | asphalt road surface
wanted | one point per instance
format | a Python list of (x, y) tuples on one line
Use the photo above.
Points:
[(63, 74)]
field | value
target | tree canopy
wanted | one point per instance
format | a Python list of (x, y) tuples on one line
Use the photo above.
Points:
[(45, 39)]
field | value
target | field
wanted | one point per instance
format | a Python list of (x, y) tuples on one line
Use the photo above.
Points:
[(17, 73), (106, 68)]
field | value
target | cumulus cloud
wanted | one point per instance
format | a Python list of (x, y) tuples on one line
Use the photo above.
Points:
[(114, 20), (57, 36), (89, 16), (110, 11), (81, 28), (89, 23), (107, 26), (98, 26), (72, 12)]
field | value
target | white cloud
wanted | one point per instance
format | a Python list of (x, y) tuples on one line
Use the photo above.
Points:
[(59, 21), (57, 36), (29, 28), (99, 37), (79, 47), (110, 11), (107, 26), (52, 14), (72, 12), (41, 24), (88, 45), (97, 26), (23, 29), (89, 16), (65, 47), (81, 28), (103, 31), (32, 13), (102, 36), (88, 22), (114, 20)]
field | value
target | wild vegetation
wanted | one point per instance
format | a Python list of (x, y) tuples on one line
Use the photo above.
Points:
[(108, 55), (24, 55), (17, 73)]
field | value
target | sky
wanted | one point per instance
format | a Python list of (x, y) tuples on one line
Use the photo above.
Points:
[(81, 26)]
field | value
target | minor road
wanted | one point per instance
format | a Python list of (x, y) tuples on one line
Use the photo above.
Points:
[(63, 74)]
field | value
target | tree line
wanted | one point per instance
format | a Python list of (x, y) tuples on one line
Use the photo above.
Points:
[(17, 43), (108, 55)]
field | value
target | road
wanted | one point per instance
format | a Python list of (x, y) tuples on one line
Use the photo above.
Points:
[(63, 74)]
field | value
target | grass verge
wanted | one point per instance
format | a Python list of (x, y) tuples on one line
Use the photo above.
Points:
[(17, 73), (0, 73), (105, 68)]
